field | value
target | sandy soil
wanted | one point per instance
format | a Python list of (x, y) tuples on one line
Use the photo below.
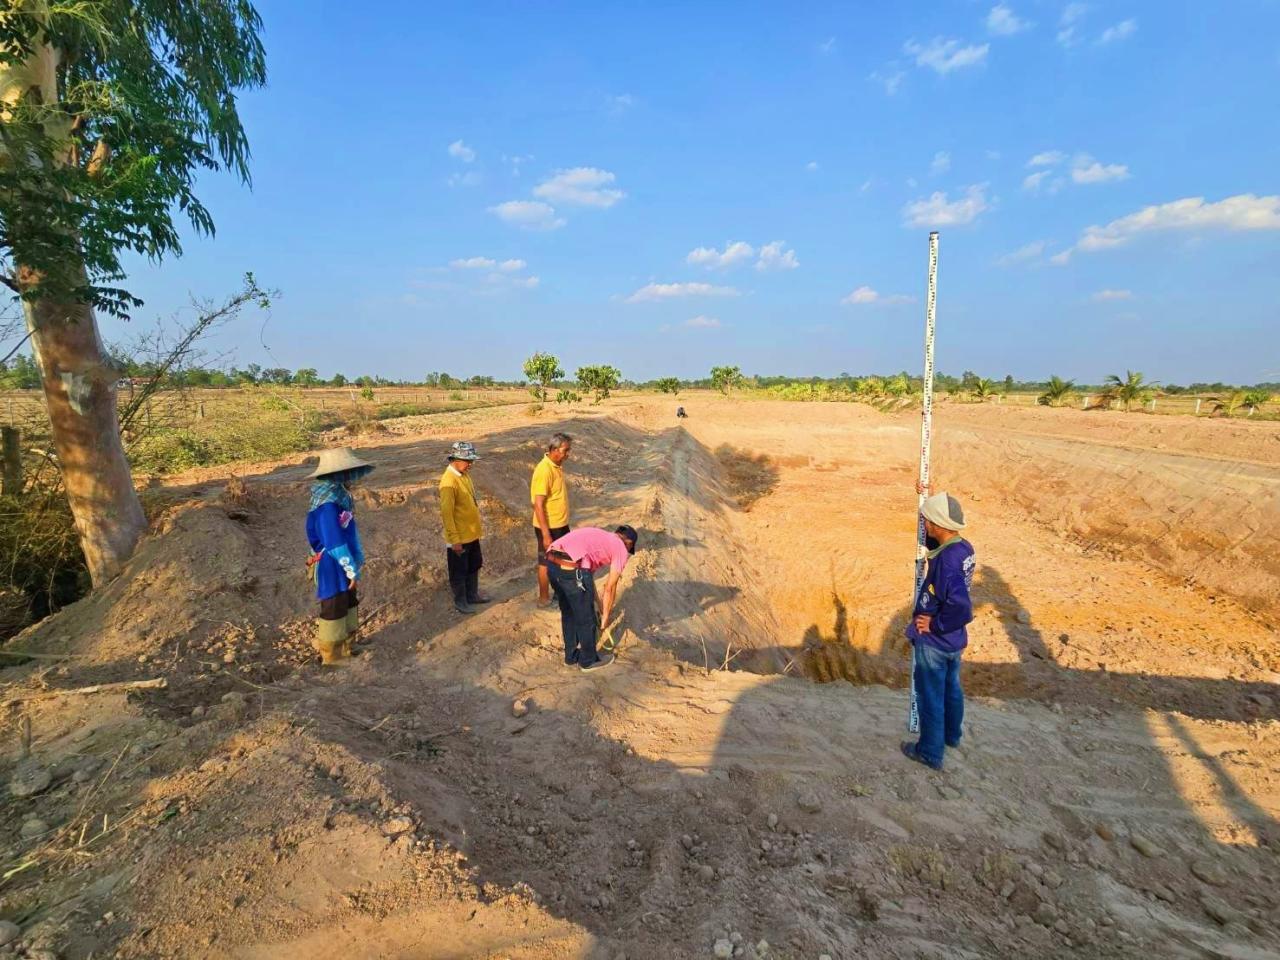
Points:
[(456, 792)]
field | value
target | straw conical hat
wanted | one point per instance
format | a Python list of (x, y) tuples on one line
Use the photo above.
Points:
[(339, 459)]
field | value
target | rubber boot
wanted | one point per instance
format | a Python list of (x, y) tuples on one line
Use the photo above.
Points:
[(473, 589), (460, 598), (353, 630), (331, 636)]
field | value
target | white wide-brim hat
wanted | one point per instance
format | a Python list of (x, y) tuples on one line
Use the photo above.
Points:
[(339, 460), (944, 510)]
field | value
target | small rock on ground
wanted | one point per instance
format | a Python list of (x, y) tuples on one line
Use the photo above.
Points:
[(723, 949), (29, 780), (1144, 846), (9, 932), (1209, 872)]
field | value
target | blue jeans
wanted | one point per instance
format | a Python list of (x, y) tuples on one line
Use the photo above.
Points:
[(940, 699), (575, 590)]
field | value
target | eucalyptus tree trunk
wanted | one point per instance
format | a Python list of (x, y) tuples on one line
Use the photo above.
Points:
[(78, 380), (80, 390)]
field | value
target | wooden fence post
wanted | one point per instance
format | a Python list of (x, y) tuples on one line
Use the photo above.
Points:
[(1197, 413), (11, 476)]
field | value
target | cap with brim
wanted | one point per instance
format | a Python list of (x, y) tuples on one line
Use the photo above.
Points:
[(463, 451), (628, 533), (943, 510), (340, 460)]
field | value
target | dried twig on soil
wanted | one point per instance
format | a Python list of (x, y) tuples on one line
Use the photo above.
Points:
[(159, 683)]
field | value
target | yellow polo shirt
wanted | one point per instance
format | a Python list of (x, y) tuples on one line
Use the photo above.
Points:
[(458, 507), (548, 481)]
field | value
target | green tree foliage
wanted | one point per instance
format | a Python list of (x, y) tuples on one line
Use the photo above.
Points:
[(984, 389), (307, 377), (143, 99), (1132, 386), (542, 370), (19, 373), (1056, 392), (339, 380), (599, 380), (1254, 399), (1008, 383), (568, 396), (725, 379), (669, 385)]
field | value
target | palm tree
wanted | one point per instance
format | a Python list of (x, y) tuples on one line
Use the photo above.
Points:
[(1229, 403), (1056, 392), (1132, 387), (1256, 398), (984, 389)]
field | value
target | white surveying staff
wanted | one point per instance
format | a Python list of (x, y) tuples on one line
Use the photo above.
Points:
[(926, 440)]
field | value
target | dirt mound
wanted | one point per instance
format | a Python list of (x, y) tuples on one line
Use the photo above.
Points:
[(457, 792)]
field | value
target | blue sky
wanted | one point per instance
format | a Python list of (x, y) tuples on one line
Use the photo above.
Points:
[(670, 186)]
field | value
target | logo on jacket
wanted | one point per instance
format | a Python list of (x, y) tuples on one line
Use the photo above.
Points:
[(345, 518)]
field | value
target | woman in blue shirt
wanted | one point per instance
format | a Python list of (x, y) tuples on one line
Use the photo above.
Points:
[(336, 555)]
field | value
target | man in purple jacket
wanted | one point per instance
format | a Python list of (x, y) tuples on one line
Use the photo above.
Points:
[(937, 630)]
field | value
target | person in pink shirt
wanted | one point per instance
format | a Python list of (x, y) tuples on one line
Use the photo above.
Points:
[(571, 564)]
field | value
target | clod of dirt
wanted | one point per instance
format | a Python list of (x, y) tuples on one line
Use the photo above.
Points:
[(9, 932), (1105, 832), (29, 779), (723, 948), (33, 828), (773, 821), (397, 826), (520, 708), (1209, 872), (1145, 846), (809, 803), (1218, 910)]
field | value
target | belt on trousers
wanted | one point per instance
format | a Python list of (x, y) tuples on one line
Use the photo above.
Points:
[(563, 561)]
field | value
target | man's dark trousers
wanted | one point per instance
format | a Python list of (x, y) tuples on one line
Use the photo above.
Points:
[(576, 593), (940, 699), (464, 571)]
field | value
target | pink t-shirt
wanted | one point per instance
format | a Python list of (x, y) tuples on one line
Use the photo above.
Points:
[(592, 548)]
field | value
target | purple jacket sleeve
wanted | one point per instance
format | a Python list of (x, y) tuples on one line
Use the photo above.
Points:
[(955, 608)]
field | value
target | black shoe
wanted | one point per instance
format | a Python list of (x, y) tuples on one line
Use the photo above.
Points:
[(571, 660), (911, 752), (479, 598), (463, 607), (597, 663)]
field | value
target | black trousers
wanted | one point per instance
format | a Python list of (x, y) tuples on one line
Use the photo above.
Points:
[(336, 607), (576, 592), (464, 570)]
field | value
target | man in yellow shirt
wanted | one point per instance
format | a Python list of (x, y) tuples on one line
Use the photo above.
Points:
[(461, 515), (550, 497)]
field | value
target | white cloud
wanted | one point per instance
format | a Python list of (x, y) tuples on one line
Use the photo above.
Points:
[(1003, 22), (1032, 181), (1244, 212), (942, 55), (1071, 15), (773, 257), (460, 151), (1120, 31), (621, 104), (739, 251), (993, 154), (1050, 158), (473, 263), (1087, 170), (703, 322), (511, 266), (670, 291), (517, 162), (1023, 254), (581, 186), (811, 166), (864, 296), (890, 78), (941, 163), (503, 279), (866, 185), (827, 45), (528, 214), (472, 178), (939, 211), (1060, 259), (1104, 295)]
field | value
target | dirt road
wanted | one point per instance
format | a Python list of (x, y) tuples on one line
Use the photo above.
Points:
[(457, 792)]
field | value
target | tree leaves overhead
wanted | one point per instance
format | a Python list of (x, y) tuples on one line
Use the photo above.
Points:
[(144, 97)]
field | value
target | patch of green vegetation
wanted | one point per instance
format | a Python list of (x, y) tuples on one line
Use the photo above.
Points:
[(270, 435)]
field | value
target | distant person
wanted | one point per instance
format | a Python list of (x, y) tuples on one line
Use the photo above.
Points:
[(943, 609), (460, 513), (572, 562), (680, 414), (336, 555), (550, 497)]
